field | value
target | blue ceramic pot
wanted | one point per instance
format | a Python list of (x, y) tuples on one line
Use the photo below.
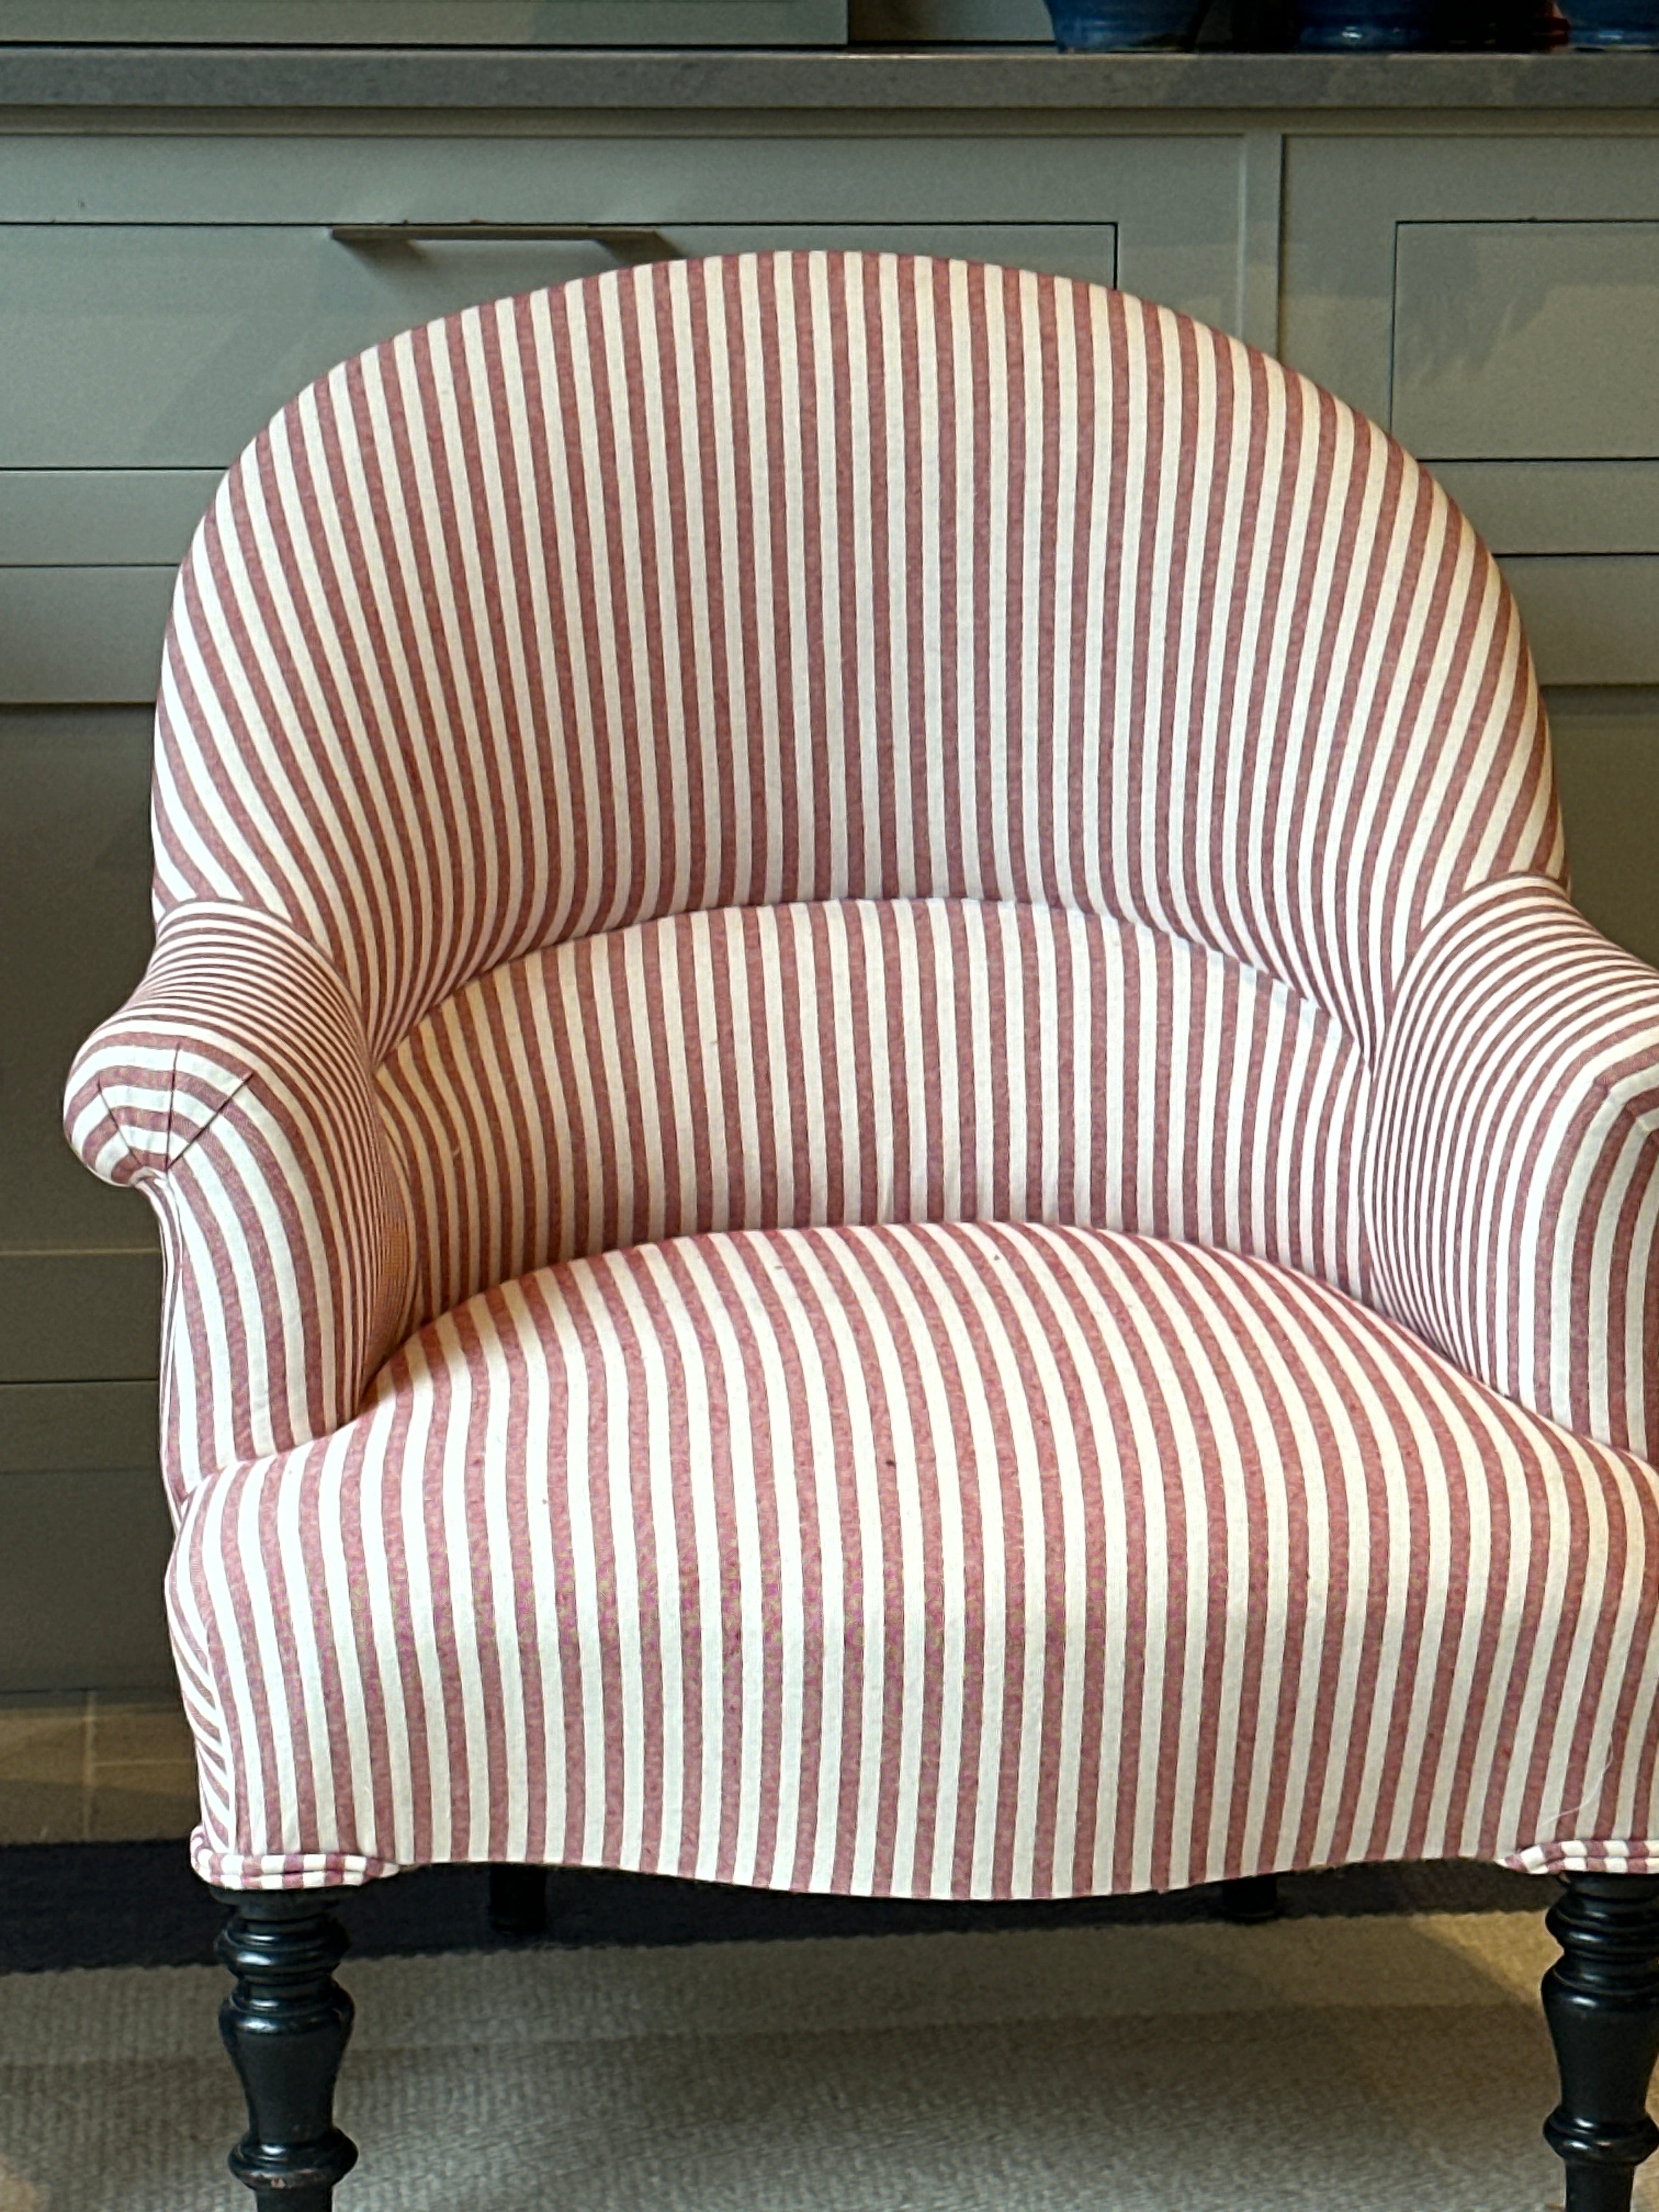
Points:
[(1614, 23), (1361, 27), (1110, 27)]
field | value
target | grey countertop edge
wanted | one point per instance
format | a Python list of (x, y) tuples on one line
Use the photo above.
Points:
[(324, 78)]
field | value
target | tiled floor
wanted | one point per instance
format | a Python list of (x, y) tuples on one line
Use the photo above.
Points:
[(90, 1767)]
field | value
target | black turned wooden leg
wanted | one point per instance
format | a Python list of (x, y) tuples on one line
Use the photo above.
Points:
[(285, 2025), (1251, 1900), (518, 1899), (1602, 2000)]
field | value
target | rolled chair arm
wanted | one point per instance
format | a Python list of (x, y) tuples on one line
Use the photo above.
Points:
[(1512, 1176), (235, 1089)]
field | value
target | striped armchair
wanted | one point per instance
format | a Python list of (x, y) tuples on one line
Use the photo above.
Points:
[(887, 1162)]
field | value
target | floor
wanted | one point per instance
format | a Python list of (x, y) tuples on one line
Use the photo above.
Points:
[(89, 1766), (697, 2050), (1385, 2064)]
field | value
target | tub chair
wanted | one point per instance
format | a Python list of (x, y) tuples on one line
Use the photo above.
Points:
[(887, 1162)]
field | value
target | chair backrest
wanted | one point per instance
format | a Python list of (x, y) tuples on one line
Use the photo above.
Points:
[(807, 576)]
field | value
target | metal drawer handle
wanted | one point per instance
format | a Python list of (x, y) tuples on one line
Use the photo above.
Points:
[(629, 241)]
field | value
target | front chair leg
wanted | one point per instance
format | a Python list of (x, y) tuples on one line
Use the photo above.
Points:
[(1602, 2000), (285, 2025)]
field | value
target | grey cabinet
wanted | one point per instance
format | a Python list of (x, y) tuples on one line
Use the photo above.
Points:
[(435, 22), (1494, 301), (218, 263), (1559, 507), (1607, 764), (83, 1527), (74, 922), (219, 323), (1527, 351), (160, 298), (1490, 289), (1493, 297), (1527, 341)]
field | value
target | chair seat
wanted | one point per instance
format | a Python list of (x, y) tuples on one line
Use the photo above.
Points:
[(951, 1559)]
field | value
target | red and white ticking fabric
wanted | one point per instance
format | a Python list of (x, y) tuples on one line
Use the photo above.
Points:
[(887, 1160)]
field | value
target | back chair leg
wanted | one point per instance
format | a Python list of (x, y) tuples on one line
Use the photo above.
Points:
[(1249, 1900), (1602, 2000), (518, 1899), (285, 2025)]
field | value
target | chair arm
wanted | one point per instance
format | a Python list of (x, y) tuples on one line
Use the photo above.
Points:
[(1512, 1170), (235, 1089)]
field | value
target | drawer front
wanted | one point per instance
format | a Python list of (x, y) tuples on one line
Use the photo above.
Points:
[(1605, 745), (169, 346), (83, 1562), (100, 518), (78, 1428), (1558, 506), (1527, 341), (70, 1316), (82, 636), (1590, 619), (258, 311), (427, 22), (1495, 300)]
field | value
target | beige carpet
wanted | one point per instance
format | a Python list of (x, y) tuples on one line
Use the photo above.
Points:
[(1390, 2064)]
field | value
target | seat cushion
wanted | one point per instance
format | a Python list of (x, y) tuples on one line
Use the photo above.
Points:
[(957, 1559)]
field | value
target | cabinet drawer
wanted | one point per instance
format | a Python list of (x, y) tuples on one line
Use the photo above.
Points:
[(170, 345), (82, 637), (100, 518), (426, 22), (1590, 620), (1555, 507), (1527, 341), (69, 1316), (1606, 745), (82, 1557), (81, 1428)]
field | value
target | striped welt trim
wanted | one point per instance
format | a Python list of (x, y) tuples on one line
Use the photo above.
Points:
[(966, 1560), (904, 1060)]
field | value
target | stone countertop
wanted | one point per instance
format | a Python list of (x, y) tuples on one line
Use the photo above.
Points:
[(1031, 80)]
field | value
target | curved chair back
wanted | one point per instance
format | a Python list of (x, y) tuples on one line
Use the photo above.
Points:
[(808, 576)]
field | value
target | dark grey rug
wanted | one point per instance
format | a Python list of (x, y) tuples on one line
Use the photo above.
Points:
[(138, 1904)]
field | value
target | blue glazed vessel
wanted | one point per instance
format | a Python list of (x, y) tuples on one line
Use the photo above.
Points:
[(1362, 27), (1613, 24), (1366, 25), (1111, 27)]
